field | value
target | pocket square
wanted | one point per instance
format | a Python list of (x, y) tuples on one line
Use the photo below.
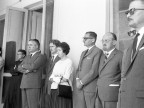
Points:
[(141, 48), (114, 85)]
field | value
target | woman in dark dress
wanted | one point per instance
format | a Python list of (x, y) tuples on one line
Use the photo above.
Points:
[(13, 98)]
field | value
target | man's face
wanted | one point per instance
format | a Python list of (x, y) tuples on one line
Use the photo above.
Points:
[(32, 46), (135, 15), (108, 42), (88, 40), (53, 48), (20, 55)]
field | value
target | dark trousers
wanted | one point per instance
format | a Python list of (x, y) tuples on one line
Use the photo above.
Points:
[(30, 98), (105, 104)]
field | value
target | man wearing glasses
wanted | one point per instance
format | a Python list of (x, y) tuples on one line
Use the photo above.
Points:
[(109, 73), (132, 82), (87, 73)]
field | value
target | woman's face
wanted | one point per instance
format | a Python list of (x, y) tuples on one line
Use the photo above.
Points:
[(60, 52)]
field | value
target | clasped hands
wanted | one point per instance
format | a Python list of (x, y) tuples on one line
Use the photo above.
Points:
[(24, 67), (58, 79)]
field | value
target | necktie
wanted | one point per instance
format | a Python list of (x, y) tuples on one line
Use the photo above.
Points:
[(52, 59), (135, 43), (106, 56), (86, 52)]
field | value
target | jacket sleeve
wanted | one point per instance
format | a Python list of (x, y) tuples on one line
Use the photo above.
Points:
[(40, 61)]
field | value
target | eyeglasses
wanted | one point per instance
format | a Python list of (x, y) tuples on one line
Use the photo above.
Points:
[(106, 41), (131, 11), (85, 38)]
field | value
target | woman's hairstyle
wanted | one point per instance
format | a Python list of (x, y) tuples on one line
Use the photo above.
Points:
[(65, 47)]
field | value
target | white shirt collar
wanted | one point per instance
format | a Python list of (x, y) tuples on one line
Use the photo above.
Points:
[(90, 47), (54, 56), (108, 52), (141, 32), (34, 53)]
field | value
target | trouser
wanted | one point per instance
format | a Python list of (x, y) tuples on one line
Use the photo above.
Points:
[(30, 97)]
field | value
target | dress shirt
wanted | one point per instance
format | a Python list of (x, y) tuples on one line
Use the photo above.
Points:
[(108, 52), (141, 32), (63, 68), (90, 48), (54, 56), (34, 53)]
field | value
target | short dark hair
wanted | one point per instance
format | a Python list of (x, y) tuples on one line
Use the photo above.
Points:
[(55, 42), (114, 36), (92, 34), (65, 47), (22, 51), (36, 41)]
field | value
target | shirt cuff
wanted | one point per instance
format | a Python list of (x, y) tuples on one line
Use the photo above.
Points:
[(81, 82)]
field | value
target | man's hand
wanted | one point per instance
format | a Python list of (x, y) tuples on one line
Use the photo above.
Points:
[(79, 85), (51, 79)]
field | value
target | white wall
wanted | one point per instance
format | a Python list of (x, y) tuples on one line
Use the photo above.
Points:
[(72, 18)]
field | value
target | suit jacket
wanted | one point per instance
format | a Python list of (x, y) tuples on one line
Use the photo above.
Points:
[(132, 84), (110, 73), (49, 72), (88, 68), (35, 65)]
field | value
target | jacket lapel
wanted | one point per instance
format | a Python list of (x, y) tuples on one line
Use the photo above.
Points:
[(133, 58), (89, 52), (85, 54), (102, 62), (108, 59), (140, 45), (34, 56), (53, 63), (127, 59)]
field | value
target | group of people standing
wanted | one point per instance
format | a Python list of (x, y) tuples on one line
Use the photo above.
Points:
[(104, 78)]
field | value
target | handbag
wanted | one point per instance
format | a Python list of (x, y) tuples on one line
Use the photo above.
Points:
[(64, 91)]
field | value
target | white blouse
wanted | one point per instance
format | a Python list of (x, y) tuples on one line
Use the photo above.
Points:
[(63, 68)]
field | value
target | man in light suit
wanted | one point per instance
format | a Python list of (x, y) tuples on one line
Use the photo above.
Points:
[(32, 68), (132, 82), (109, 73), (87, 72), (53, 59)]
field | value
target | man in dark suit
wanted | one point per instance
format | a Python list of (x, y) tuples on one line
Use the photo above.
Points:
[(132, 82), (53, 59), (32, 68), (87, 73), (109, 73)]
